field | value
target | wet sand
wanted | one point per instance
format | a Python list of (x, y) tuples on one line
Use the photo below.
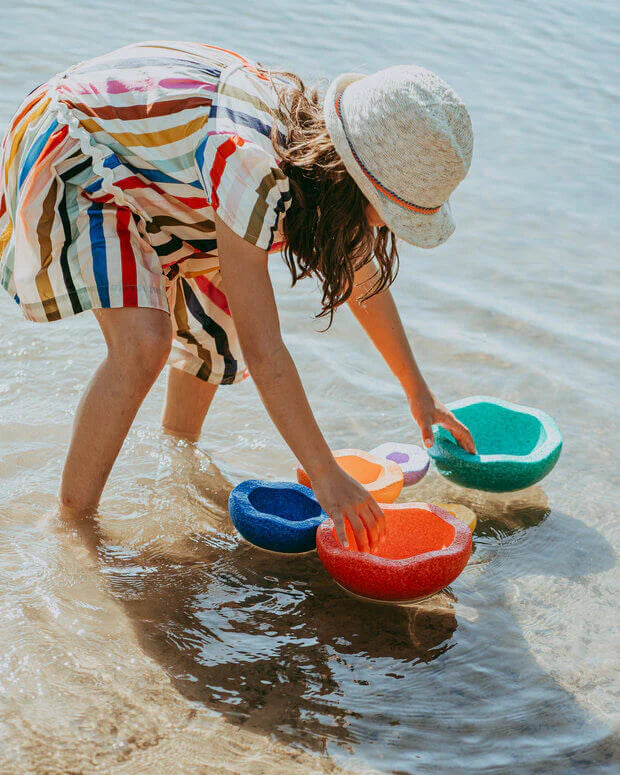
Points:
[(161, 642)]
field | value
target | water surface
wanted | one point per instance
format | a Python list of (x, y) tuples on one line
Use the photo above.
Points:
[(157, 641)]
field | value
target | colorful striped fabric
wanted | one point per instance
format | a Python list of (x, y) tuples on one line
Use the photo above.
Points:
[(110, 176)]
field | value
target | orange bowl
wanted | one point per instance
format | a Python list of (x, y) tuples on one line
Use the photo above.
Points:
[(424, 550), (382, 478)]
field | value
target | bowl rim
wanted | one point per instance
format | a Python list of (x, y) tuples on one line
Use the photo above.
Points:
[(241, 495), (462, 538), (391, 472), (445, 449)]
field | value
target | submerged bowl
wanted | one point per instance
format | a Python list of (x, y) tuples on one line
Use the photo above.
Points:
[(413, 460), (382, 478), (424, 550), (517, 445), (464, 513), (276, 516)]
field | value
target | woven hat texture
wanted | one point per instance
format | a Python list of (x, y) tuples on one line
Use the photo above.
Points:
[(405, 137)]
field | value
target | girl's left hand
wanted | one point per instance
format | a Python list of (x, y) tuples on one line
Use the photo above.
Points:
[(426, 410)]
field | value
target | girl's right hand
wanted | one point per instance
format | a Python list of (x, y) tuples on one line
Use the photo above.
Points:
[(342, 497)]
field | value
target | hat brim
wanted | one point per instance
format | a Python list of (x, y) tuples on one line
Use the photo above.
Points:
[(421, 229)]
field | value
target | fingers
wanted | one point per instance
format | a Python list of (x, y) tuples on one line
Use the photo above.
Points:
[(372, 528), (379, 517), (426, 428), (368, 525), (351, 503), (359, 529), (341, 531), (460, 432)]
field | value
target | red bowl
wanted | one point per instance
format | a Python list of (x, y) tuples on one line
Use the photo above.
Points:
[(425, 549)]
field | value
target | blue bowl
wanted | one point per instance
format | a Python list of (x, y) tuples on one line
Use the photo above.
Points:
[(276, 516), (517, 445)]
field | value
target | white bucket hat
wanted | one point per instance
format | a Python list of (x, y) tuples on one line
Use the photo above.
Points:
[(406, 139)]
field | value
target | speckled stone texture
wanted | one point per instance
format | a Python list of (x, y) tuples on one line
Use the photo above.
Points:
[(277, 516), (517, 445), (382, 478), (413, 460), (425, 549)]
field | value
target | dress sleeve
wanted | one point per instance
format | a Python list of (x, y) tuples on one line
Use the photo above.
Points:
[(244, 185)]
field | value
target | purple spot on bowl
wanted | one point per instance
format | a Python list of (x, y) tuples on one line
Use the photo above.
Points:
[(398, 457), (413, 460)]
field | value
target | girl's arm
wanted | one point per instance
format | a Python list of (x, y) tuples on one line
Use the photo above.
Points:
[(380, 319), (250, 296)]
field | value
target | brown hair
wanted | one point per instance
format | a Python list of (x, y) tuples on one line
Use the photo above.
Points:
[(326, 229)]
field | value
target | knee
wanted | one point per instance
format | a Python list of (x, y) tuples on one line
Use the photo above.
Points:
[(72, 507), (144, 349)]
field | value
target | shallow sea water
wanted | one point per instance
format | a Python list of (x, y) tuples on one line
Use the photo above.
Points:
[(157, 640)]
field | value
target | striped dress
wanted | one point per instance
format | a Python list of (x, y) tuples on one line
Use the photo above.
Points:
[(110, 174)]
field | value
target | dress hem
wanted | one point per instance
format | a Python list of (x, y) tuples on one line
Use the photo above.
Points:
[(86, 297)]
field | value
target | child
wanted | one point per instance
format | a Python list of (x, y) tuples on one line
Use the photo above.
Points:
[(150, 185)]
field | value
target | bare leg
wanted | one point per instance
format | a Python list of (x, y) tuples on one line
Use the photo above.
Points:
[(188, 399), (138, 341)]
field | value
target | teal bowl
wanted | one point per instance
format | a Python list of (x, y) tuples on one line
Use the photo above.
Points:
[(517, 445)]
